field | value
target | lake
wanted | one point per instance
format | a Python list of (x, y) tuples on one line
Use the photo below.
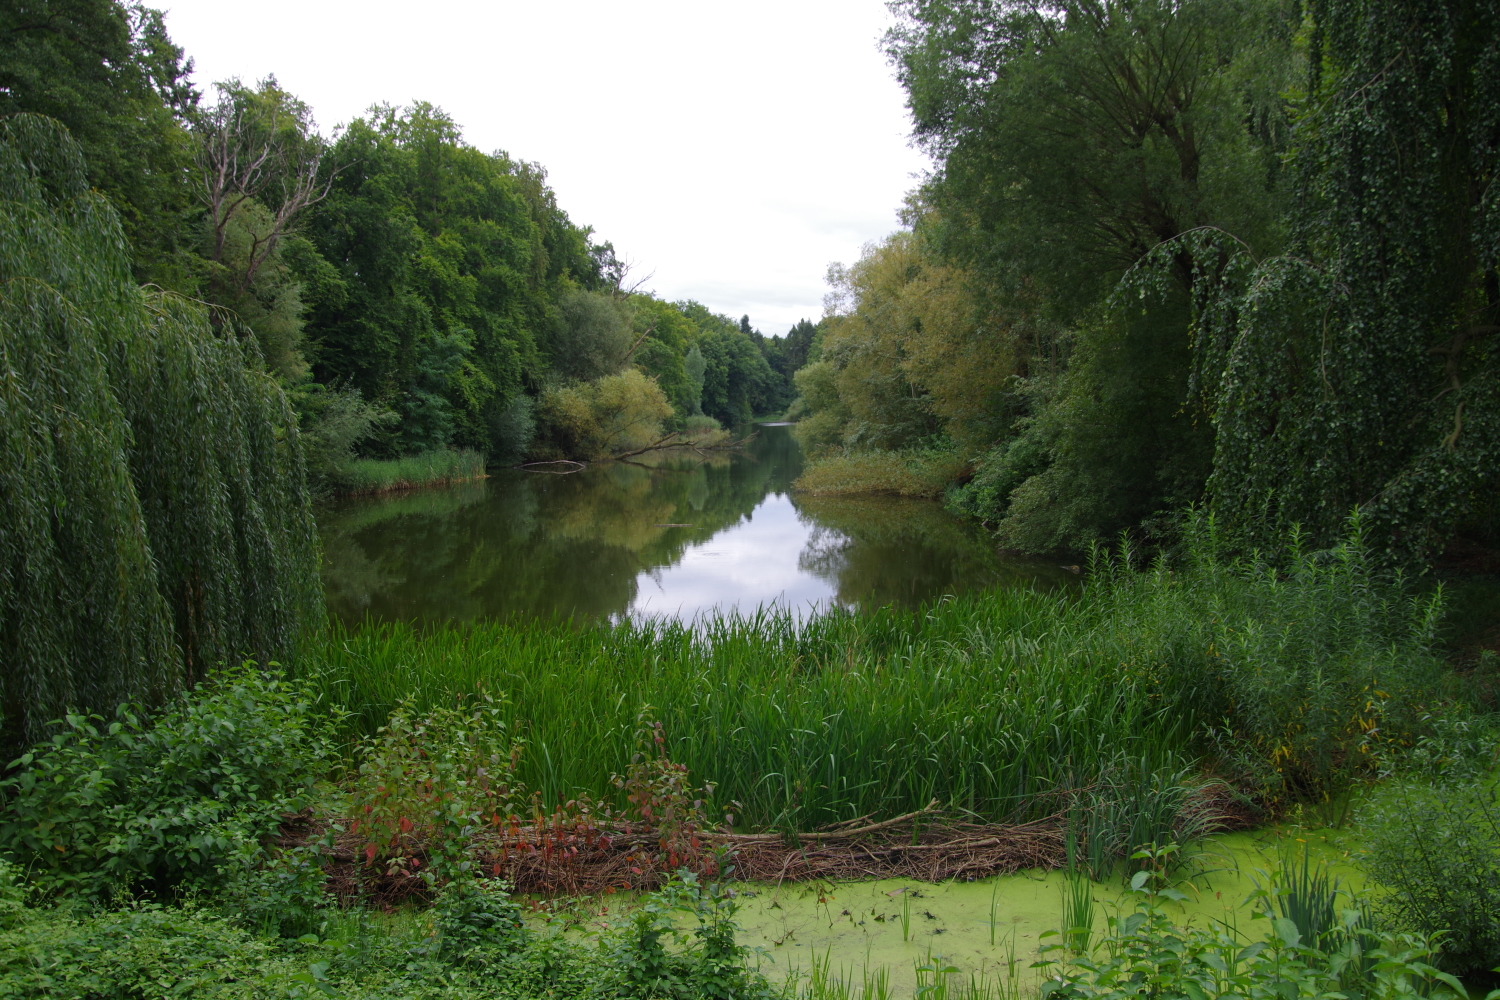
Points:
[(669, 534)]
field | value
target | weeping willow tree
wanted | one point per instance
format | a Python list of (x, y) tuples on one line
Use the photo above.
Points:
[(154, 521), (1361, 370)]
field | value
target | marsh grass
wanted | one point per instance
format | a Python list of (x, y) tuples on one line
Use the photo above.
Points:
[(1006, 705), (430, 468)]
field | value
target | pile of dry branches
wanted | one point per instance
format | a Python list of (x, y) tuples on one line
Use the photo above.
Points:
[(930, 845)]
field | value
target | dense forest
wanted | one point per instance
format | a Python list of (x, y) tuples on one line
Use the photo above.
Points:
[(1233, 253), (1211, 280), (409, 292)]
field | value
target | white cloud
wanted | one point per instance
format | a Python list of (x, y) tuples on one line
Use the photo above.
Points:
[(732, 149)]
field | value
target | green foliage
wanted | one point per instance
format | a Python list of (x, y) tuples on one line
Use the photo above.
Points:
[(1073, 137), (104, 806), (822, 412), (706, 963), (910, 473), (334, 419), (143, 952), (1145, 953), (592, 337), (436, 780), (153, 476), (612, 415), (473, 914), (281, 893), (450, 266), (989, 703), (694, 369), (428, 468), (1133, 801), (108, 72), (1120, 446), (1436, 847)]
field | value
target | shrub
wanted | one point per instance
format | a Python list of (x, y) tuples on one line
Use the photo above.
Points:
[(1145, 954), (1436, 847), (427, 784), (613, 414), (283, 894), (145, 952), (106, 805), (474, 915), (912, 473), (707, 963)]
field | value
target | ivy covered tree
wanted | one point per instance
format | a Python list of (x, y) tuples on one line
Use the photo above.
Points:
[(1359, 370)]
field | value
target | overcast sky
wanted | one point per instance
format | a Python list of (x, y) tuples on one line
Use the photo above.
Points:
[(732, 150)]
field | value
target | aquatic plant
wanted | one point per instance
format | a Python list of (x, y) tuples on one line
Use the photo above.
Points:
[(430, 468), (1002, 704)]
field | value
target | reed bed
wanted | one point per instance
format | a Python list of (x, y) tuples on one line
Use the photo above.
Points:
[(430, 468), (992, 705)]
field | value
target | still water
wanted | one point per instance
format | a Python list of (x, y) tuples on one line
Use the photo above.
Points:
[(670, 534)]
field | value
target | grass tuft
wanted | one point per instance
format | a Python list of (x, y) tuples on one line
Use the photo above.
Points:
[(431, 468)]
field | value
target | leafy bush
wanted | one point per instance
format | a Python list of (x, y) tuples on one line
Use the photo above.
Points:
[(333, 420), (1310, 671), (911, 473), (427, 784), (107, 805), (706, 963), (145, 952), (476, 914), (1146, 954), (610, 415), (283, 894), (1436, 847)]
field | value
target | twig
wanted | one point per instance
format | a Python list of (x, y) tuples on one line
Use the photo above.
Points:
[(751, 838)]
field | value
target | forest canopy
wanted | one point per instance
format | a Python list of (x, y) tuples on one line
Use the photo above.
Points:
[(408, 291), (1231, 253)]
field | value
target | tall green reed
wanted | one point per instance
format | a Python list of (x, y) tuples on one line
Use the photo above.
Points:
[(1005, 704)]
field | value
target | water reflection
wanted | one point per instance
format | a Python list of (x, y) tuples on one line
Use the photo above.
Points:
[(672, 534)]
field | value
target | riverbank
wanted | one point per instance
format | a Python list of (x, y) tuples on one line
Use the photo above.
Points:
[(368, 476), (361, 824)]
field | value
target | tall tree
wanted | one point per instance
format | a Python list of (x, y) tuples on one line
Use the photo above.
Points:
[(1360, 370), (153, 517), (109, 72)]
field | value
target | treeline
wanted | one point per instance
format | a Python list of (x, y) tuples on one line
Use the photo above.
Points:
[(410, 293), (1236, 253)]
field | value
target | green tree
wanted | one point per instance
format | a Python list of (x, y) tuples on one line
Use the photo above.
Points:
[(1359, 370), (109, 72), (1074, 138), (259, 158), (152, 494), (695, 368), (448, 266)]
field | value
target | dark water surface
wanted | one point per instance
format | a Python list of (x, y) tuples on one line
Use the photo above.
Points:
[(606, 542)]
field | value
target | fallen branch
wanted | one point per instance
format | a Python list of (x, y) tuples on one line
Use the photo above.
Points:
[(746, 838), (579, 466)]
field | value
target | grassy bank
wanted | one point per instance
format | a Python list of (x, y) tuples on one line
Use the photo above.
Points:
[(348, 832), (430, 468), (1289, 681)]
